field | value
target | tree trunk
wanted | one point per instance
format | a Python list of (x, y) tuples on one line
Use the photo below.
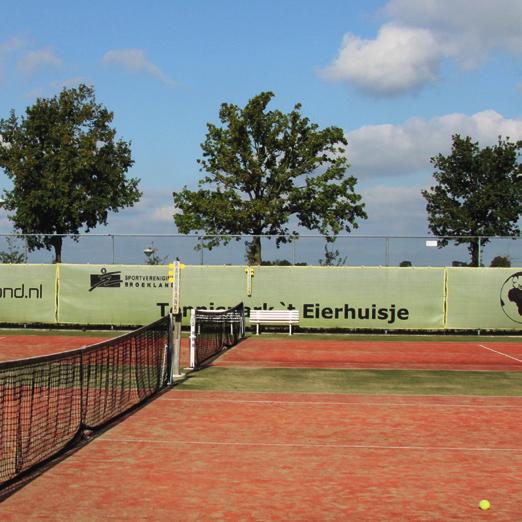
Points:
[(253, 252), (474, 248), (57, 245)]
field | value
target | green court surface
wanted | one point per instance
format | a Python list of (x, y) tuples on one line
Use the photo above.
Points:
[(403, 382)]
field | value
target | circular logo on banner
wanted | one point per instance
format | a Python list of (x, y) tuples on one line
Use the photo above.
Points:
[(511, 297)]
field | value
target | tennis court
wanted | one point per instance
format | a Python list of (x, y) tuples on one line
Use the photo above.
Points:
[(321, 428)]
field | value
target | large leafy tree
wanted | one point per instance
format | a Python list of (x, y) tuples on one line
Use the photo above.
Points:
[(67, 168), (478, 193), (264, 168)]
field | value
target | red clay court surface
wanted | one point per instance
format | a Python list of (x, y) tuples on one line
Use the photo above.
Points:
[(294, 352), (229, 456), (20, 346), (407, 355), (251, 456)]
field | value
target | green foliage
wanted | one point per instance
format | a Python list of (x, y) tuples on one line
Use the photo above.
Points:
[(264, 168), (13, 254), (332, 257), (405, 264), (457, 263), (501, 262), (478, 193), (281, 262), (276, 262), (67, 167)]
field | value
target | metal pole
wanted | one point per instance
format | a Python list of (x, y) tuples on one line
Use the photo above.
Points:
[(192, 362), (175, 346)]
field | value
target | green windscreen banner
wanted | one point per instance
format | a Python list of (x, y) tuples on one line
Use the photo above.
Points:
[(353, 297), (27, 294), (383, 298), (327, 297), (135, 294), (484, 298), (112, 294)]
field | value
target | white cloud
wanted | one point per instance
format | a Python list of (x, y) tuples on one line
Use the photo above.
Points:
[(394, 210), (10, 45), (472, 28), (399, 60), (392, 150), (163, 215), (36, 60), (153, 213), (410, 47), (134, 60), (6, 49)]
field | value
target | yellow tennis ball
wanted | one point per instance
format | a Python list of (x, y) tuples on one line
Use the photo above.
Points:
[(484, 505)]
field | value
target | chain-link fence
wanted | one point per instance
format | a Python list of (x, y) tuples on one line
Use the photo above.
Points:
[(347, 250)]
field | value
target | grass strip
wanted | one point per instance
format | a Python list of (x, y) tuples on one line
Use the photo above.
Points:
[(400, 382)]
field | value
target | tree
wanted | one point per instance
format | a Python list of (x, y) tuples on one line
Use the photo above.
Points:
[(478, 193), (500, 262), (13, 254), (67, 168), (332, 257), (264, 168)]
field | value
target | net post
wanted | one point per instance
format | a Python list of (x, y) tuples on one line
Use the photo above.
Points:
[(243, 321), (192, 362), (175, 346), (170, 349), (175, 320)]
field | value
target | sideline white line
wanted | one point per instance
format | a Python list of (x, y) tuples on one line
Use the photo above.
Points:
[(366, 403), (500, 353), (303, 445)]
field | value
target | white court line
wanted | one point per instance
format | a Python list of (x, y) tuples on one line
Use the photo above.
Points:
[(326, 403), (500, 353), (303, 445)]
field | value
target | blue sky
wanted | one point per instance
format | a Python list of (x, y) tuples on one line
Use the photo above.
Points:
[(399, 76)]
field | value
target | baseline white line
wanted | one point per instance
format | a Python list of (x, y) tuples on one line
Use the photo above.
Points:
[(500, 353), (366, 403), (303, 445)]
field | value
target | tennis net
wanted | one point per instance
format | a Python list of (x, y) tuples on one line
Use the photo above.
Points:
[(213, 331), (47, 403)]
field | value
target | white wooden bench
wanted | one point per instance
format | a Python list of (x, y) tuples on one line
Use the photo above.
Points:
[(274, 317)]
